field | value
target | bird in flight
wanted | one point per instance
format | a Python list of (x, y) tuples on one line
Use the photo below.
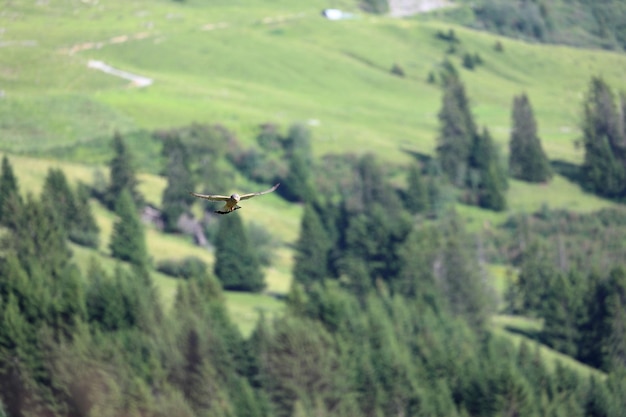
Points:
[(232, 200)]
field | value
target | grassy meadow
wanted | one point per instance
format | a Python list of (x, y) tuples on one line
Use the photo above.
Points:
[(243, 63)]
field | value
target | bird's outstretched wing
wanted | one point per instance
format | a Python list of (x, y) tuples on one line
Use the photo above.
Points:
[(211, 197), (250, 195)]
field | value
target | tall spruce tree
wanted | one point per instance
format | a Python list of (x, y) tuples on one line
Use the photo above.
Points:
[(122, 174), (128, 241), (84, 229), (8, 186), (236, 263), (527, 159), (312, 248), (615, 339), (59, 198), (372, 187), (456, 132), (536, 271), (416, 196), (491, 175), (457, 273), (176, 198), (562, 310), (417, 254), (72, 209), (604, 166), (39, 239), (297, 184)]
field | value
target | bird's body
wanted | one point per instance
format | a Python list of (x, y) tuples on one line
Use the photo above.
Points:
[(233, 200)]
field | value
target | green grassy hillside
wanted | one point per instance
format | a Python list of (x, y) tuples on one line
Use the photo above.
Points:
[(242, 66)]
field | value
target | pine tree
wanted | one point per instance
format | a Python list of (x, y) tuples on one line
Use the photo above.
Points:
[(416, 196), (527, 159), (122, 174), (596, 400), (128, 242), (562, 311), (458, 276), (492, 182), (418, 253), (297, 184), (595, 327), (298, 142), (39, 239), (312, 248), (372, 188), (8, 186), (457, 130), (200, 381), (84, 229), (236, 264), (536, 271), (176, 198), (604, 167), (59, 198), (300, 363), (615, 340)]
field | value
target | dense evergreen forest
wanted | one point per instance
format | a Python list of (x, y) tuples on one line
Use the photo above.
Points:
[(583, 23), (390, 306)]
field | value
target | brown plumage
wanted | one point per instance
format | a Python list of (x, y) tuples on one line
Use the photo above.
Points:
[(232, 200)]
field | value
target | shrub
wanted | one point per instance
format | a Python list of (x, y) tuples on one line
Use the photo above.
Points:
[(185, 268)]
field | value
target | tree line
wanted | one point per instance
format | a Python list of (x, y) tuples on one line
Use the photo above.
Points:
[(468, 155), (585, 23), (472, 162)]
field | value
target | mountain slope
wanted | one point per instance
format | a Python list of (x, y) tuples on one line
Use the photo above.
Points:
[(242, 66)]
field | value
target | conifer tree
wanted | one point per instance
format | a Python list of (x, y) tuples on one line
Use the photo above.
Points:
[(596, 401), (458, 275), (236, 264), (297, 184), (84, 229), (416, 196), (38, 239), (492, 182), (562, 311), (59, 198), (604, 166), (8, 186), (200, 381), (301, 363), (615, 340), (370, 187), (456, 132), (527, 159), (312, 248), (536, 271), (176, 198), (122, 174), (416, 279), (298, 141), (358, 274), (116, 302), (440, 193), (128, 242)]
